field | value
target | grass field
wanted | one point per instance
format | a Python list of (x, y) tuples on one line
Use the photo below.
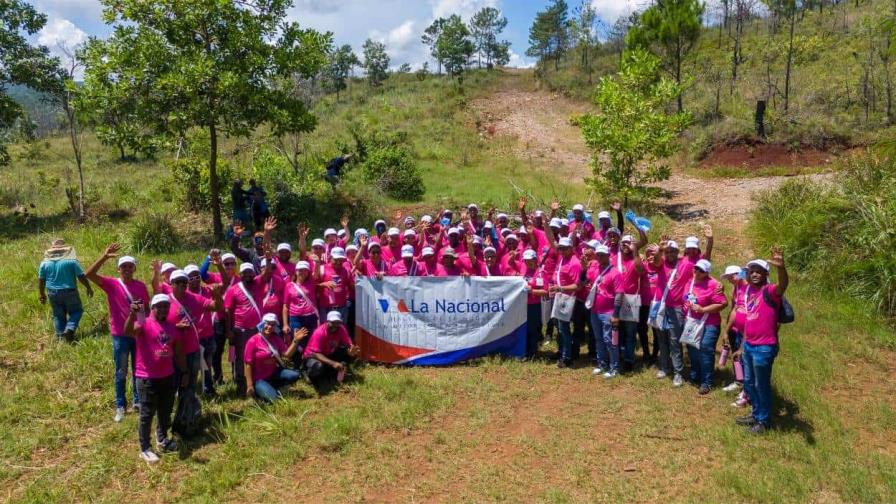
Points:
[(492, 430)]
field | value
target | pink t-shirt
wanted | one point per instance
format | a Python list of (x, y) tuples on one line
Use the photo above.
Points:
[(610, 282), (206, 323), (189, 308), (535, 279), (284, 269), (272, 302), (245, 316), (257, 354), (369, 269), (400, 269), (707, 294), (443, 271), (737, 304), (120, 301), (761, 322), (631, 277), (680, 284), (568, 271), (322, 342), (154, 349), (338, 295), (297, 304)]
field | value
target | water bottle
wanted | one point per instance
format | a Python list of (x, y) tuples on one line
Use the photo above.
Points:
[(738, 371), (614, 339), (723, 358)]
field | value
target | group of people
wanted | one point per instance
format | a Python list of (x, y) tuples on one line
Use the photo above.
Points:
[(587, 280)]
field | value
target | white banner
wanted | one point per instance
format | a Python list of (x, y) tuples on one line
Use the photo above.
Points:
[(440, 320)]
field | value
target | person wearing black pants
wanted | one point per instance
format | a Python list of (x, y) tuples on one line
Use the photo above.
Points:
[(581, 328), (218, 356), (156, 399), (328, 350), (649, 355)]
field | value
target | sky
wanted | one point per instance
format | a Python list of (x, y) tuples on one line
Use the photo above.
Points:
[(399, 24)]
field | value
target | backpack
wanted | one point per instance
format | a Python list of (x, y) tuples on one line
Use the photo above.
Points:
[(189, 414), (786, 314)]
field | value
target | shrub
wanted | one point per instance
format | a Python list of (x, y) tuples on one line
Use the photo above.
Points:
[(192, 182), (393, 170), (153, 232)]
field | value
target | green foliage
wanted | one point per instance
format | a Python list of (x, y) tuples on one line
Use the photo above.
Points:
[(153, 232), (454, 45), (485, 27), (430, 38), (22, 63), (840, 234), (341, 62), (549, 34), (191, 178), (376, 62), (632, 133), (388, 163)]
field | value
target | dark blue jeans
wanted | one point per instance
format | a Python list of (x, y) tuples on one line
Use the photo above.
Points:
[(703, 360), (266, 390), (67, 309), (123, 352), (209, 347), (757, 361), (628, 333), (565, 343), (533, 328), (297, 322), (607, 352)]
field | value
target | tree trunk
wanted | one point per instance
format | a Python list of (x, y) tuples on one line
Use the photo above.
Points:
[(760, 119), (885, 59), (121, 151), (789, 63), (678, 75), (213, 182)]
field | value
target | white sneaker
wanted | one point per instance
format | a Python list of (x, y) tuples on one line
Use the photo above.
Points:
[(610, 375), (732, 387), (677, 381), (597, 371), (149, 456), (119, 415), (660, 374)]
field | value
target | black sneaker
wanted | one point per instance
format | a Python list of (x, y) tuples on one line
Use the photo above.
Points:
[(68, 335), (704, 389), (758, 428), (746, 421), (562, 363)]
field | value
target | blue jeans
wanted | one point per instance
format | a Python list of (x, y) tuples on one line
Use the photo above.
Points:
[(668, 339), (757, 361), (123, 352), (607, 352), (209, 348), (533, 328), (266, 390), (565, 342), (703, 360), (67, 309), (297, 322), (628, 332)]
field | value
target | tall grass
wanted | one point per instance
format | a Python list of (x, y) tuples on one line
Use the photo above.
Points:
[(841, 233)]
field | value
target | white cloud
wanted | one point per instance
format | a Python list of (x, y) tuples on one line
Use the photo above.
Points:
[(517, 61), (611, 10), (465, 8), (58, 32)]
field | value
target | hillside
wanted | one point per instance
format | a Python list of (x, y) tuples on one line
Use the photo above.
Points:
[(839, 84)]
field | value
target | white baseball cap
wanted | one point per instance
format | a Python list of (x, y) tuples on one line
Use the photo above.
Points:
[(692, 242), (394, 231), (603, 215), (178, 274), (489, 250), (407, 251), (672, 244), (555, 222), (488, 224), (578, 207), (337, 253), (158, 299), (410, 219), (564, 242), (564, 222), (602, 249), (341, 233), (318, 243), (190, 269), (472, 206), (627, 238), (303, 265), (758, 262), (732, 270), (704, 265), (351, 247), (334, 316), (372, 244), (592, 244), (511, 236), (330, 231), (453, 230), (227, 257), (529, 254), (426, 218), (428, 251), (361, 232), (539, 213), (378, 222), (410, 232), (522, 231), (270, 317), (284, 246), (247, 267), (126, 260), (449, 251), (502, 215), (168, 267)]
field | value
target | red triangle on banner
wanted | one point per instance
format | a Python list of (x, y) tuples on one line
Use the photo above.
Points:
[(377, 349)]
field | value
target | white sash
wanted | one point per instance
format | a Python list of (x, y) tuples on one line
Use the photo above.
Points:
[(251, 301), (141, 316), (589, 302)]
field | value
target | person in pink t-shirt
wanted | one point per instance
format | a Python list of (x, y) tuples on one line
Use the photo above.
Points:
[(762, 303), (328, 352), (408, 265), (673, 278), (284, 267), (537, 288), (488, 266), (120, 292), (266, 355), (604, 280), (243, 303), (158, 347), (704, 302), (692, 251), (449, 266), (566, 281), (333, 282), (627, 262), (428, 259)]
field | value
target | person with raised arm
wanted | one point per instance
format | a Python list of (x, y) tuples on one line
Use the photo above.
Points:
[(627, 261), (566, 281), (763, 301), (121, 293), (673, 278)]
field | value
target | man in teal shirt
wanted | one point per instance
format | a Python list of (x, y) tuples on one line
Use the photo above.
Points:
[(56, 279)]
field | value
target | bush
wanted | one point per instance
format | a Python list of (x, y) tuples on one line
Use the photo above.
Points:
[(192, 182), (153, 232), (842, 233), (393, 170)]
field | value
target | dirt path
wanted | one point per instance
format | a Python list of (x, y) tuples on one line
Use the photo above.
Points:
[(540, 122)]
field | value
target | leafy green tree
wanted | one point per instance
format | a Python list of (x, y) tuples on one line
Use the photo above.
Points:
[(376, 62), (632, 132), (454, 45), (430, 37), (22, 63), (215, 65), (788, 10), (499, 53), (485, 27), (341, 63), (584, 32), (549, 34), (669, 29)]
